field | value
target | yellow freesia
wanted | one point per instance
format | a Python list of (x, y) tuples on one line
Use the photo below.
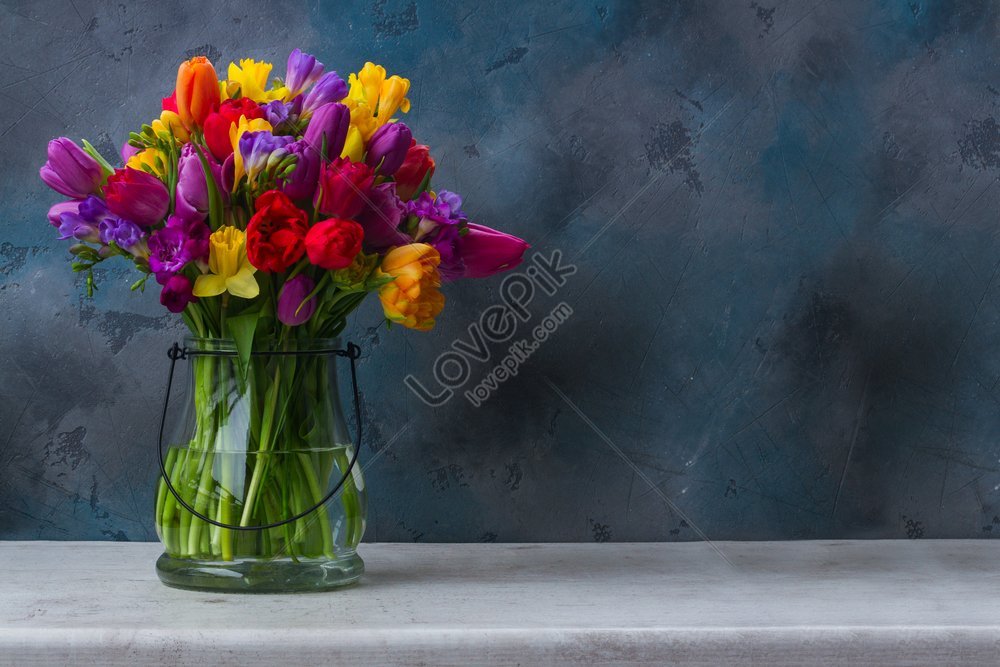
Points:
[(170, 123), (149, 160), (374, 99), (236, 131), (354, 145), (230, 269), (250, 77)]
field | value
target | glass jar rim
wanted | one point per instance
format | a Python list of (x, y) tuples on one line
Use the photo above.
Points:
[(263, 344)]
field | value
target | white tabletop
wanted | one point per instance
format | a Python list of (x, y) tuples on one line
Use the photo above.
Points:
[(768, 603)]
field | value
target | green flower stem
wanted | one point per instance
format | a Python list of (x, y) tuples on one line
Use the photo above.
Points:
[(315, 495)]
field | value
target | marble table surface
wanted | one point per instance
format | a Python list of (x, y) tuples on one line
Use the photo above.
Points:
[(767, 603)]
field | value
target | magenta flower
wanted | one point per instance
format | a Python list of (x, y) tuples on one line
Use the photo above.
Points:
[(69, 170), (301, 183), (486, 251), (177, 294), (137, 196), (329, 88), (387, 148), (175, 245), (191, 196), (301, 71), (330, 121), (380, 219), (291, 310)]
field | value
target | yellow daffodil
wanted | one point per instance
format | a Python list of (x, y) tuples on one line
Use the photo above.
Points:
[(250, 77), (149, 160), (170, 123), (374, 98), (413, 298), (230, 269), (236, 131)]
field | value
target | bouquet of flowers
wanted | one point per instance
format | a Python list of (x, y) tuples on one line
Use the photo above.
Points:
[(266, 209)]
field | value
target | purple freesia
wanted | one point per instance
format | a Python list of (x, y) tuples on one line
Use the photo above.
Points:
[(177, 293), (329, 88), (387, 148), (381, 217), (438, 221), (82, 221), (69, 170), (191, 196), (301, 71), (261, 150), (123, 233), (56, 211), (283, 116), (328, 124), (486, 251), (301, 183), (175, 245), (290, 309)]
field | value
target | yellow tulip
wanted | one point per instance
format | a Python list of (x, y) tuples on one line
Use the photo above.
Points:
[(236, 131), (250, 77), (170, 123), (413, 298), (230, 269), (149, 160)]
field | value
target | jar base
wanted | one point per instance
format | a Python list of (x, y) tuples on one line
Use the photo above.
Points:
[(273, 575)]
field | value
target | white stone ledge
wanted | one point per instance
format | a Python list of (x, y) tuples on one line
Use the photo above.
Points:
[(772, 603)]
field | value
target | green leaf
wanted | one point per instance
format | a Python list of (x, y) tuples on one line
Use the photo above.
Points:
[(241, 328), (424, 185), (92, 152)]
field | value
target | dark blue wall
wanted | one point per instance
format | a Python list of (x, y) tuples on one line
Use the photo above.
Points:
[(784, 217)]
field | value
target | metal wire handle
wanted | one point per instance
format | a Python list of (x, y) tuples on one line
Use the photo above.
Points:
[(353, 352)]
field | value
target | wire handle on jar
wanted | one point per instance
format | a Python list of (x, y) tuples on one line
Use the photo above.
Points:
[(176, 352)]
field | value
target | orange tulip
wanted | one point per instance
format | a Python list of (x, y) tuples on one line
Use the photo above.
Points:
[(197, 91), (413, 298)]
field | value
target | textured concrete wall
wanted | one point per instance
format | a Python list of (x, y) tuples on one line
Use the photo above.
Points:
[(783, 214)]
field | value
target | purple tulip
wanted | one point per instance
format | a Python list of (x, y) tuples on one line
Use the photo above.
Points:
[(175, 245), (486, 251), (69, 170), (329, 88), (261, 150), (387, 148), (291, 310), (177, 294), (330, 121), (137, 196), (191, 196), (56, 211), (381, 217), (301, 71), (301, 183)]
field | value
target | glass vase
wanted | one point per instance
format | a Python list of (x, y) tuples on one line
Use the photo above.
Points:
[(262, 440)]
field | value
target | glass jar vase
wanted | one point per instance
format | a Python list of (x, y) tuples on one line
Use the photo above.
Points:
[(263, 442)]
